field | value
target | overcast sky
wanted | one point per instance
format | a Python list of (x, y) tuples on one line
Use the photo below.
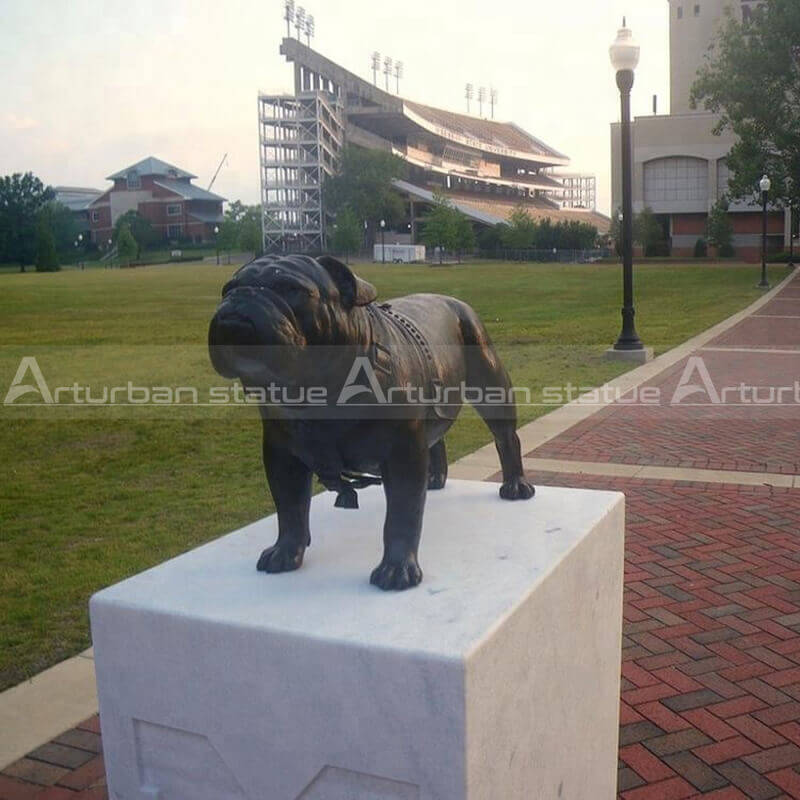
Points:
[(91, 86)]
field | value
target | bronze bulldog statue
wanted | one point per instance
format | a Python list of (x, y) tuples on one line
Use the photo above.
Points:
[(297, 331)]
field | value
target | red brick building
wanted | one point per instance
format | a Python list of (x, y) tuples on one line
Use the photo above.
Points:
[(165, 196)]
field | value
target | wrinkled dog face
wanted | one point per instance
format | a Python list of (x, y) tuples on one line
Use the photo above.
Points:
[(273, 308)]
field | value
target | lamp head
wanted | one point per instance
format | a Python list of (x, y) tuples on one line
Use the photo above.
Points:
[(624, 52), (765, 184)]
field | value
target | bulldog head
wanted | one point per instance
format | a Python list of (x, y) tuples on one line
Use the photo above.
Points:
[(275, 308)]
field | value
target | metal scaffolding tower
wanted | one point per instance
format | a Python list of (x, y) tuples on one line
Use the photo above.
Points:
[(300, 139)]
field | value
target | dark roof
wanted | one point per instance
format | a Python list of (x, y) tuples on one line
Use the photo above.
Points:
[(152, 166), (187, 190)]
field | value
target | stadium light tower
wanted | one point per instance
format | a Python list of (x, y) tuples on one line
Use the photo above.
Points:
[(469, 93), (387, 70), (481, 99), (376, 65), (309, 28), (288, 15), (398, 73), (624, 53), (492, 99), (299, 21)]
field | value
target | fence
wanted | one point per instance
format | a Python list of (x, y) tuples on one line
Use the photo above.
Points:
[(549, 256)]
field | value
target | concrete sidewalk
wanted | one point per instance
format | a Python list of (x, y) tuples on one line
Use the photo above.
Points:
[(711, 682)]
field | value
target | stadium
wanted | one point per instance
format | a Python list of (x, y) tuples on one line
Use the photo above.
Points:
[(486, 168)]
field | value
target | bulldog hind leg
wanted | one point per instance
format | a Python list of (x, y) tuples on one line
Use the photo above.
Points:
[(290, 483), (486, 371), (437, 466)]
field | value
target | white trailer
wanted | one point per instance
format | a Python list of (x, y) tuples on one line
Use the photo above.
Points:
[(399, 253)]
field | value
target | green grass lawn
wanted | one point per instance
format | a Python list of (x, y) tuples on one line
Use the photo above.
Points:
[(91, 496)]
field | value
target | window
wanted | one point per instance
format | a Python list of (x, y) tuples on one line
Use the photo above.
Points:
[(697, 11), (678, 179), (174, 232), (95, 216), (680, 12), (134, 181), (747, 13), (174, 210)]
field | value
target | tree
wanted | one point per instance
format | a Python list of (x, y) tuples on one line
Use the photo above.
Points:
[(752, 79), (364, 185), (520, 232), (719, 228), (464, 233), (441, 226), (228, 236), (21, 198), (490, 239), (46, 256), (126, 244), (250, 239), (63, 226), (140, 228), (647, 232), (347, 232)]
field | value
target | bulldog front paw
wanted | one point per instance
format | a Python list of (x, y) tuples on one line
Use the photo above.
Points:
[(517, 489), (281, 557), (397, 576), (437, 481)]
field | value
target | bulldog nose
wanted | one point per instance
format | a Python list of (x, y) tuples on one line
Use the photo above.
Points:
[(230, 328)]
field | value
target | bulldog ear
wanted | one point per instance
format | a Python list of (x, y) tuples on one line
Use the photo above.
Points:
[(353, 290)]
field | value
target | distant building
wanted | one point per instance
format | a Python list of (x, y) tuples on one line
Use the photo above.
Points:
[(164, 195), (485, 167), (580, 191), (77, 199), (680, 167)]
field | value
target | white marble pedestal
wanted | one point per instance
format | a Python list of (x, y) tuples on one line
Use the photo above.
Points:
[(496, 679)]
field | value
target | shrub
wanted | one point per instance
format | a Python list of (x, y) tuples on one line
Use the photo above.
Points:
[(700, 248)]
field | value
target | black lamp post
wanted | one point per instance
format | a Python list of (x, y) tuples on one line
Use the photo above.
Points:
[(383, 246), (216, 241), (792, 237), (624, 54), (765, 185)]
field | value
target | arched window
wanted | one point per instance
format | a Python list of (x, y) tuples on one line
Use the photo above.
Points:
[(676, 179)]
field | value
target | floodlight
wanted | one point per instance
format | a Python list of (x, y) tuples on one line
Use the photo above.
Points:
[(288, 16), (376, 65), (398, 73), (387, 70), (299, 20), (309, 27)]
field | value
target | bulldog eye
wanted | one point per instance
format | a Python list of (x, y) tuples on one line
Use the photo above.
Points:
[(289, 288)]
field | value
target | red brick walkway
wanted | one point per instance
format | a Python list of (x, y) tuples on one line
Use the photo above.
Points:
[(710, 703), (710, 700)]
